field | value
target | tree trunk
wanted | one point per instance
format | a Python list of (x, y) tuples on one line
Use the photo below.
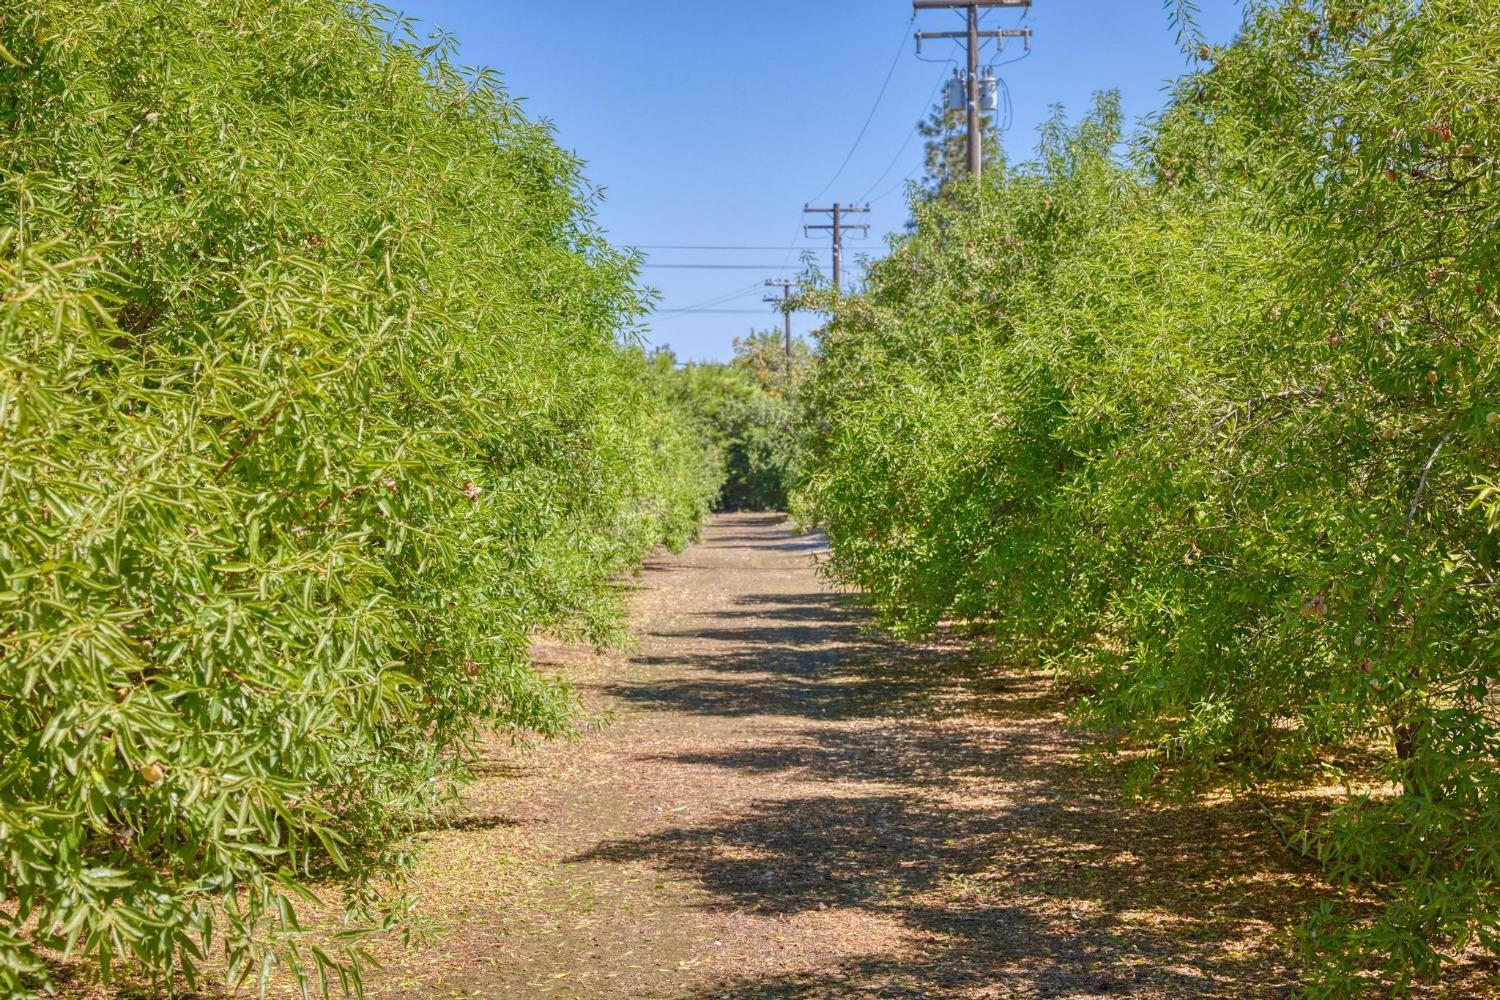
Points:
[(1408, 735)]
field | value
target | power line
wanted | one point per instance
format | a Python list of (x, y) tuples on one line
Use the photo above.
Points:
[(974, 39), (710, 312), (703, 246), (878, 99), (786, 313), (897, 186), (719, 300), (837, 230), (927, 104), (716, 267)]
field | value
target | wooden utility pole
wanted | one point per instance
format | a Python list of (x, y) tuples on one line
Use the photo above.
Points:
[(839, 226), (976, 146), (973, 37), (786, 312)]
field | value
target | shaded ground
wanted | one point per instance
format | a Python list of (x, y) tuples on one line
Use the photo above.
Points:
[(782, 804), (786, 805)]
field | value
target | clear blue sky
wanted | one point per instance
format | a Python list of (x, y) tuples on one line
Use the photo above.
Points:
[(712, 122)]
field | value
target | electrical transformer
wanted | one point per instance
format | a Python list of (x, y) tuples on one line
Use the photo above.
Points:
[(989, 92), (958, 93)]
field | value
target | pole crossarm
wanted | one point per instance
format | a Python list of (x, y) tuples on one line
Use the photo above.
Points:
[(837, 230), (973, 39), (786, 292), (960, 4), (786, 311), (928, 36)]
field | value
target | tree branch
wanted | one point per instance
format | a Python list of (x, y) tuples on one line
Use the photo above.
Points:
[(1411, 515)]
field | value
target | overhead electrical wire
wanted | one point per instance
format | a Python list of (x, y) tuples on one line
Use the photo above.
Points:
[(910, 175), (937, 62), (848, 158), (701, 246), (1011, 62), (780, 268), (1008, 122), (713, 267), (718, 300), (909, 136), (884, 87), (711, 312), (706, 305), (952, 45)]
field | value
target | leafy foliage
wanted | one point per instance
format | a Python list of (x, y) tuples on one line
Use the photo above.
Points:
[(312, 409), (1215, 431), (945, 152), (762, 354), (742, 409)]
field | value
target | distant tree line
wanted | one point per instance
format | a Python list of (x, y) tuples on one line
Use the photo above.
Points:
[(745, 409)]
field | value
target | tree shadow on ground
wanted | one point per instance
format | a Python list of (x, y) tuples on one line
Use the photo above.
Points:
[(72, 978), (814, 656), (1057, 893), (805, 543), (1000, 899), (928, 786)]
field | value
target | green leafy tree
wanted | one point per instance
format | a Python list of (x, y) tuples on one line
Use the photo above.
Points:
[(946, 147), (751, 429), (763, 355), (1214, 427), (313, 408)]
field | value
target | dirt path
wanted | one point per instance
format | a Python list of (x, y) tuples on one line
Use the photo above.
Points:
[(786, 805)]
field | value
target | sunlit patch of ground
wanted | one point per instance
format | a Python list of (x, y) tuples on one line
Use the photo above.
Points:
[(784, 804)]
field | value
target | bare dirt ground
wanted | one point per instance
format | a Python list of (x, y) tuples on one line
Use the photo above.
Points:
[(784, 804)]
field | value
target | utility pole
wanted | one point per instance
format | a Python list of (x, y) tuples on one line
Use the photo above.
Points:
[(839, 226), (976, 145), (973, 37), (786, 312)]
